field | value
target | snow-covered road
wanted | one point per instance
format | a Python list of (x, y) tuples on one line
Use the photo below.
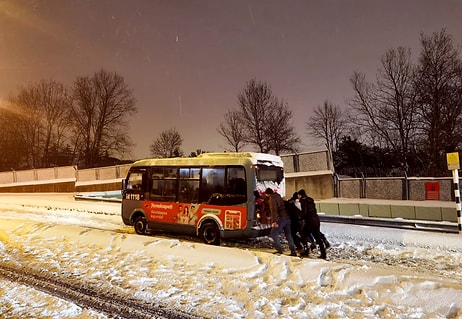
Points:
[(370, 272)]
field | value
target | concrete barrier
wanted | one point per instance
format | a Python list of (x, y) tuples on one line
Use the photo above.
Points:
[(399, 209)]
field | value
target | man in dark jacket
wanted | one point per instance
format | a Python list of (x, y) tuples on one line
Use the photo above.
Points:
[(312, 222), (295, 214), (280, 221)]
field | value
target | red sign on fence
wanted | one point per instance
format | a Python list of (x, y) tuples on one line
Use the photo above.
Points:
[(432, 191)]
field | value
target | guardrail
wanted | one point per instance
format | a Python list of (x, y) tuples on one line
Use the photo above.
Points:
[(441, 227)]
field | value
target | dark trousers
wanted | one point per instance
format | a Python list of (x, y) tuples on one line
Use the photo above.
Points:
[(296, 233), (311, 239), (318, 237), (283, 226)]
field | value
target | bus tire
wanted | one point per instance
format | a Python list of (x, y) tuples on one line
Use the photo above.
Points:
[(140, 225), (210, 233)]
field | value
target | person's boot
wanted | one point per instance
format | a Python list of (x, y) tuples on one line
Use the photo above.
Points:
[(305, 252), (327, 244)]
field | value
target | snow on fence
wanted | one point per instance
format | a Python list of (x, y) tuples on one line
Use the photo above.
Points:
[(37, 176), (6, 178), (102, 174), (63, 179)]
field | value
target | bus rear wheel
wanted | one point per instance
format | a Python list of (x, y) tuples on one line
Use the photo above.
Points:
[(140, 225), (210, 233)]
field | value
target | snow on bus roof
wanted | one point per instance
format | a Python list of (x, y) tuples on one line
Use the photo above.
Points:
[(216, 158)]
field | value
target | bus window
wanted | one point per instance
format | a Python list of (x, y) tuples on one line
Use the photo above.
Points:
[(189, 191), (186, 173), (236, 181), (188, 185), (134, 187), (135, 181), (270, 174), (163, 184), (213, 182), (163, 190)]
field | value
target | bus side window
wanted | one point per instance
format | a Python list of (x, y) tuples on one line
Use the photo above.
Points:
[(188, 184), (157, 189), (236, 181), (213, 182), (204, 194), (238, 186), (189, 190), (163, 186)]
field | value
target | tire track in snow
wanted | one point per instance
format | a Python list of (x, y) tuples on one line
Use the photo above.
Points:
[(111, 304)]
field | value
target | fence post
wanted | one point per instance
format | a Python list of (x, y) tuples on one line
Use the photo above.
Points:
[(405, 187), (362, 187), (15, 176), (455, 175), (336, 185), (296, 162)]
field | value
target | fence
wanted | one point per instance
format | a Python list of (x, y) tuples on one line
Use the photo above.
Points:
[(395, 188), (101, 178), (312, 171), (63, 179)]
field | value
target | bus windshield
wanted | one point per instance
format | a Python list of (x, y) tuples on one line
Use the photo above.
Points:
[(269, 174)]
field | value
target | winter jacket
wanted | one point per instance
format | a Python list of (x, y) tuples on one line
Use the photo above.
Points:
[(310, 214), (277, 207), (293, 210)]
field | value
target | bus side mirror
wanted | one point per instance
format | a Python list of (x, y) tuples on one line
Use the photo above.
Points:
[(124, 184)]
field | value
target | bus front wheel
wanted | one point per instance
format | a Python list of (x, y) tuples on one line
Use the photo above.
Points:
[(140, 225), (210, 233)]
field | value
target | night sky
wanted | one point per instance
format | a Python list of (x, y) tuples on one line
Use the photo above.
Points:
[(187, 61)]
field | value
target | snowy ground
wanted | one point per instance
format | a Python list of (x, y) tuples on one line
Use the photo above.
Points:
[(369, 273)]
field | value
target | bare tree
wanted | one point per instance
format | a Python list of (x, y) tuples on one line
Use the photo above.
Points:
[(281, 133), (265, 120), (31, 127), (167, 145), (439, 89), (255, 101), (328, 123), (386, 109), (231, 129), (44, 111), (13, 146), (56, 105), (102, 104)]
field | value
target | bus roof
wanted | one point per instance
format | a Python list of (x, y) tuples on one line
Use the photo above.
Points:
[(222, 158)]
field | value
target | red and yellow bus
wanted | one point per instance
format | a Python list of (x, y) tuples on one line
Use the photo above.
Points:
[(213, 196)]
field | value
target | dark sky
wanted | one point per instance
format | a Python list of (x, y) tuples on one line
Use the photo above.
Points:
[(187, 60)]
